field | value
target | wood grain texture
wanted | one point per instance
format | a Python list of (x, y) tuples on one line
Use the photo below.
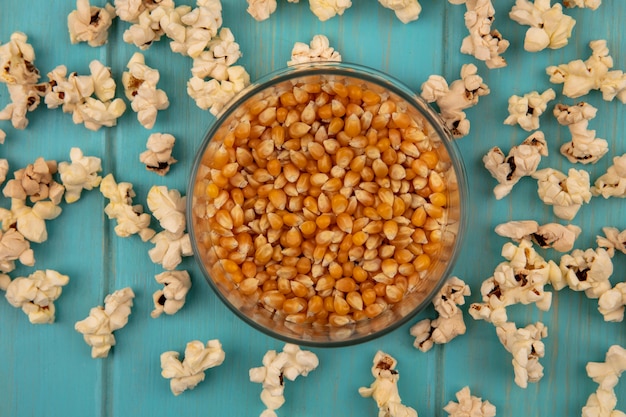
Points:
[(47, 369)]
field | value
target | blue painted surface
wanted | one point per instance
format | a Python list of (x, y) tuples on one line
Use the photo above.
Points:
[(47, 369)]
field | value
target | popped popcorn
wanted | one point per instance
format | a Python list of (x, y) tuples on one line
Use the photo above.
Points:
[(36, 294), (290, 363), (36, 182), (584, 146), (468, 405), (197, 28), (223, 52), (614, 240), (611, 303), (483, 42), (549, 27), (146, 23), (406, 10), (90, 23), (606, 374), (14, 247), (326, 9), (158, 155), (613, 182), (189, 372), (214, 94), (580, 77), (450, 323), (168, 207), (130, 218), (95, 114), (384, 389), (169, 249), (587, 271), (140, 86), (261, 9), (4, 169), (566, 193), (590, 4), (453, 99), (526, 110), (79, 174), (29, 221), (98, 327), (551, 235), (526, 346), (522, 161), (319, 50), (171, 298), (130, 10)]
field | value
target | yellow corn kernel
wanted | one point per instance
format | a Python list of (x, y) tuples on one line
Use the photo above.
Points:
[(370, 98), (294, 305), (323, 221), (345, 222), (325, 112), (329, 304), (385, 211), (308, 228), (393, 294), (436, 182), (359, 238), (346, 284), (288, 99), (273, 299), (315, 304), (339, 203), (430, 158), (340, 306), (369, 296), (390, 229), (278, 198), (419, 217), (422, 262)]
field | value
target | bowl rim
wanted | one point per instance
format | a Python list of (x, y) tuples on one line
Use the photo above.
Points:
[(387, 82)]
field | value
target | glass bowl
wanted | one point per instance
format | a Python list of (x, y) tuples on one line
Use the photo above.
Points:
[(326, 204)]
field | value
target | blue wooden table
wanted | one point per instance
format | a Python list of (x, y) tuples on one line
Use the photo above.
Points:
[(47, 369)]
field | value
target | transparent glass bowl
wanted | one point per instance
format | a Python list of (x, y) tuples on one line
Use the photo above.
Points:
[(221, 250)]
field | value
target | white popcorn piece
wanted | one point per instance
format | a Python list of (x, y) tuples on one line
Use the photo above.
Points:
[(223, 52), (29, 221), (90, 23), (261, 9), (146, 23), (384, 389), (549, 27), (612, 302), (606, 374), (522, 161), (168, 207), (526, 110), (580, 77), (453, 99), (406, 10), (140, 86), (589, 4), (613, 182), (158, 155), (130, 10), (24, 99), (170, 248), (327, 9), (526, 347), (66, 90), (196, 29), (614, 239), (14, 247), (36, 294), (95, 114), (450, 323), (319, 50), (566, 193), (288, 364), (36, 182), (189, 372), (171, 298), (4, 169), (79, 174), (469, 405), (550, 235), (97, 329), (587, 271), (214, 95), (130, 218), (584, 146), (483, 42)]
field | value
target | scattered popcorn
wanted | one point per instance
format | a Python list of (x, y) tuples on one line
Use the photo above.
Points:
[(213, 94), (521, 279), (549, 27), (483, 42), (29, 221), (452, 100), (98, 327), (606, 374), (611, 303), (158, 156), (326, 9), (81, 174), (450, 323), (36, 294), (319, 50), (526, 110), (189, 372), (261, 9), (551, 235), (590, 4), (566, 193), (587, 271), (614, 240), (584, 146), (384, 389), (130, 10), (406, 10), (522, 161), (4, 169), (168, 207), (14, 247), (290, 363), (130, 218), (171, 298), (35, 182), (469, 406), (140, 86), (580, 77), (613, 182), (526, 347), (90, 23), (169, 249), (196, 29), (214, 62)]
